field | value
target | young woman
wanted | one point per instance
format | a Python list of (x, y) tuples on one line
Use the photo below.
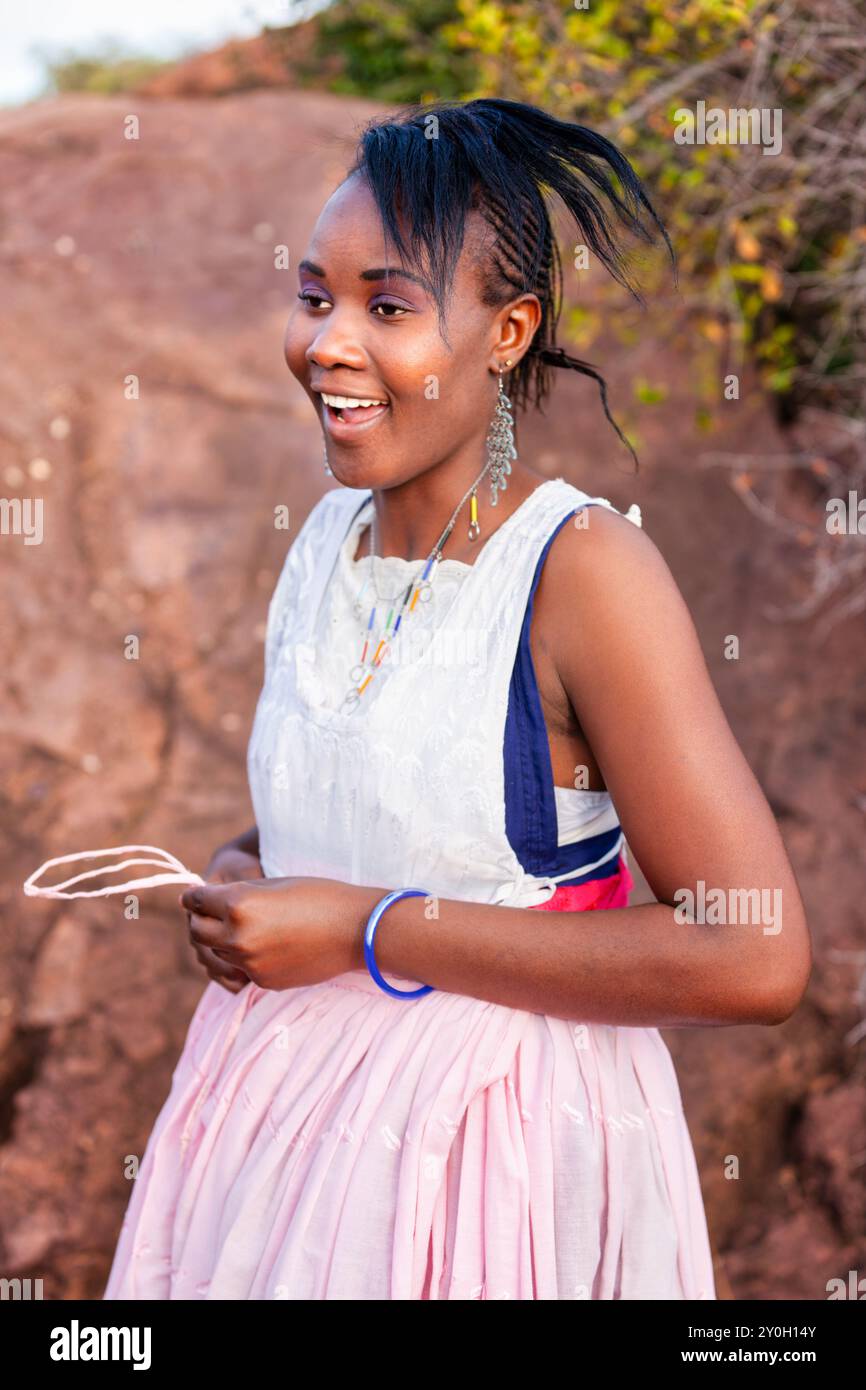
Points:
[(478, 684)]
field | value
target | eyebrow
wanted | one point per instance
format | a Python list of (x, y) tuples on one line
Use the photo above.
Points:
[(380, 273)]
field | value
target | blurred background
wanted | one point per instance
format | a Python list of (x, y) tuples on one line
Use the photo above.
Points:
[(147, 406)]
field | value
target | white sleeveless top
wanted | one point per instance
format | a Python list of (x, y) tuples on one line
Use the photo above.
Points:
[(406, 789)]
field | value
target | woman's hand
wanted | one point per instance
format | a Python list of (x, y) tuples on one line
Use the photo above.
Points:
[(280, 932), (229, 864)]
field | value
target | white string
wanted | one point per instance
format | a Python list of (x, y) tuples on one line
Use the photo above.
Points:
[(587, 868), (178, 873), (512, 894)]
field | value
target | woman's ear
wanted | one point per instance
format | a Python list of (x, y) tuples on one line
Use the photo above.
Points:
[(515, 327)]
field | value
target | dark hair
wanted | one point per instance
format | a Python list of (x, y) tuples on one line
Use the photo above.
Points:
[(503, 158)]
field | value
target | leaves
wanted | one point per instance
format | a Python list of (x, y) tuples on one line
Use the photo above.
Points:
[(749, 228)]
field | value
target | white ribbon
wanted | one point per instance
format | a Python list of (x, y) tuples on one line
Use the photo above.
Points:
[(541, 890), (177, 873)]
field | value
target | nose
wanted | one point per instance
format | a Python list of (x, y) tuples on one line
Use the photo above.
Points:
[(336, 344)]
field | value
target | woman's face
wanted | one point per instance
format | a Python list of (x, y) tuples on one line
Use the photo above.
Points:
[(362, 332)]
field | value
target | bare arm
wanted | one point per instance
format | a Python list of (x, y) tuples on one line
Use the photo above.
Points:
[(691, 809)]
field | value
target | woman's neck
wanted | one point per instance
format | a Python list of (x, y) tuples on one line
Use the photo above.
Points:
[(409, 523)]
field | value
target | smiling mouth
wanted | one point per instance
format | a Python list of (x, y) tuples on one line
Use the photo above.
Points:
[(345, 410)]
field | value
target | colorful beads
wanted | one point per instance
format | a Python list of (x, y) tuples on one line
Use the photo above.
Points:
[(417, 591)]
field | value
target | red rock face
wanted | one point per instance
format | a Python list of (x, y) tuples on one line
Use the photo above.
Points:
[(153, 259)]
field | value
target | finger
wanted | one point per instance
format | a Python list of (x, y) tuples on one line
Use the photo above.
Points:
[(208, 931), (219, 970), (232, 985), (206, 899), (215, 962)]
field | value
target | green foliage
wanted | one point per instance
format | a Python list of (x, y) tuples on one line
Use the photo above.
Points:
[(748, 229), (395, 50), (649, 394), (627, 70), (107, 71)]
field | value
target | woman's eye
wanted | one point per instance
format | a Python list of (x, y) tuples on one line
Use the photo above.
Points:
[(309, 296), (389, 310), (386, 304)]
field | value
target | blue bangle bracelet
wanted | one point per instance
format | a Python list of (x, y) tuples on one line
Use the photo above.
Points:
[(370, 932)]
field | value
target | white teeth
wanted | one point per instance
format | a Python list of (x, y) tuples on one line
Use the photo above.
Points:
[(347, 402)]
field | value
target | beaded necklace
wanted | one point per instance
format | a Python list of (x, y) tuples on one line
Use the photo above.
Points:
[(500, 452), (375, 650)]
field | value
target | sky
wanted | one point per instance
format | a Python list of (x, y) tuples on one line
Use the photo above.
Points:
[(161, 28)]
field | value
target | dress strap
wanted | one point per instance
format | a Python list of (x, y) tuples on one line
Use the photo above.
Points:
[(587, 869), (530, 801)]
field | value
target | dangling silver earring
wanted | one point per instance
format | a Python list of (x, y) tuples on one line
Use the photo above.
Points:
[(327, 465), (500, 442)]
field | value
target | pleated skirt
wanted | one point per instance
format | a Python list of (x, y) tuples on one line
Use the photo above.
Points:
[(332, 1142)]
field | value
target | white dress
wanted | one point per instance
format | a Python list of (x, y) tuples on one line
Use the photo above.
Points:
[(332, 1142)]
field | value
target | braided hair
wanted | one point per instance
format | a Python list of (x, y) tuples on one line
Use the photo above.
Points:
[(431, 165)]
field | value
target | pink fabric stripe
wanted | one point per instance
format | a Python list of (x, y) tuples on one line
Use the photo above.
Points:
[(595, 894)]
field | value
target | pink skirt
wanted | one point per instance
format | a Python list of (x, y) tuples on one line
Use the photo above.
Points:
[(331, 1142)]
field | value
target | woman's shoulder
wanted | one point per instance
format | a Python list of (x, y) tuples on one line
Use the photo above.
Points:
[(299, 576), (336, 502), (331, 513), (603, 561), (333, 510), (574, 497), (611, 612)]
